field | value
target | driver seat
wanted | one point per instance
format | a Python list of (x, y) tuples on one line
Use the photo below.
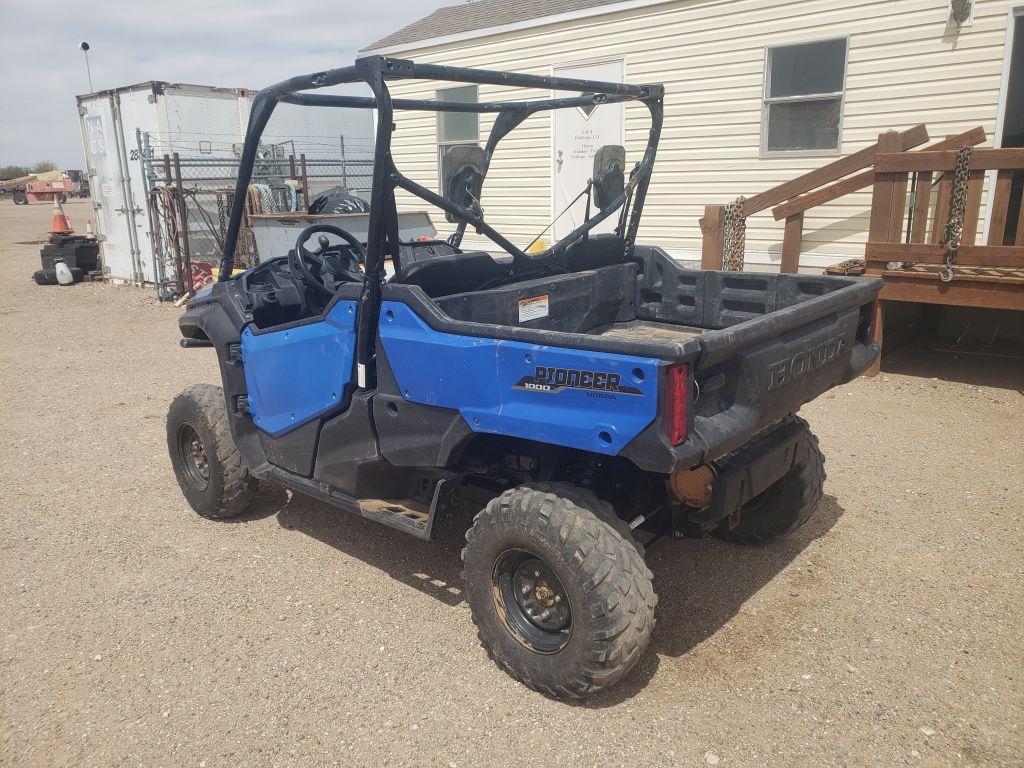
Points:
[(448, 274)]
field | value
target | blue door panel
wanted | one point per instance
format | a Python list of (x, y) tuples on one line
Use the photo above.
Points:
[(297, 374), (593, 401)]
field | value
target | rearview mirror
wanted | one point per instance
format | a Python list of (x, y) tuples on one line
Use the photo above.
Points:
[(462, 177), (609, 174)]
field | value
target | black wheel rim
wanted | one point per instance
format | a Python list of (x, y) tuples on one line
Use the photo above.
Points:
[(195, 462), (531, 601)]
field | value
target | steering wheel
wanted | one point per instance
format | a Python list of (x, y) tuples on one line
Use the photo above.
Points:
[(298, 257)]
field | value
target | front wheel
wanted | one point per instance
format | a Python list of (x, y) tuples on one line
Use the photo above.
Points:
[(210, 470), (563, 602)]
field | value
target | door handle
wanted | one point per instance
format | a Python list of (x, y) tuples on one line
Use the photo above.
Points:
[(558, 162)]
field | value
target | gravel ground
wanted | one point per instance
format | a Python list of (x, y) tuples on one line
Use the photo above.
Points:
[(886, 633)]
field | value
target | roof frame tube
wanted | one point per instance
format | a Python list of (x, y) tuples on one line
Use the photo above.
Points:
[(375, 70), (430, 105)]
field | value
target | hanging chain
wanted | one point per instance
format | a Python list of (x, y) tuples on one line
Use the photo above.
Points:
[(957, 209), (735, 235)]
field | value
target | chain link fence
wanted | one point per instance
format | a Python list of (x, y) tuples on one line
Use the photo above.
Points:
[(190, 193)]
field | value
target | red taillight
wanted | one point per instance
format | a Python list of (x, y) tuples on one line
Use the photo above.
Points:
[(676, 380)]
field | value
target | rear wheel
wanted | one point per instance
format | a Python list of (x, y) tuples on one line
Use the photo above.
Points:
[(207, 464), (20, 198), (562, 601), (785, 505)]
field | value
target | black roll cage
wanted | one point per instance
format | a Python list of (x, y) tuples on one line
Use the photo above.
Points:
[(382, 235)]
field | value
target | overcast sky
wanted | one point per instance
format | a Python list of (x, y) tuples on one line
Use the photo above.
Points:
[(210, 42)]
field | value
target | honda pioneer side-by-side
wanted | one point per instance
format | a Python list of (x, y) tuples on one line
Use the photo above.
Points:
[(589, 399)]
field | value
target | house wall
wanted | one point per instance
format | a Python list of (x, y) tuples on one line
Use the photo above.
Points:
[(906, 65)]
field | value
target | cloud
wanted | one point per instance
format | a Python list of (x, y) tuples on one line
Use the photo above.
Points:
[(211, 42)]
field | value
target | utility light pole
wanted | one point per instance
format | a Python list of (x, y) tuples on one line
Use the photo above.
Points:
[(85, 49)]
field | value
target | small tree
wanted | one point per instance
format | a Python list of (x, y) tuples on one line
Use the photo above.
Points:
[(44, 166), (12, 172)]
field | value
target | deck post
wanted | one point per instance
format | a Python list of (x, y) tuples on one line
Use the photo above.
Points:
[(712, 226), (792, 239), (877, 332)]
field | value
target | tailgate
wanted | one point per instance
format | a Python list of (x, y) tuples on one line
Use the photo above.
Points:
[(753, 374)]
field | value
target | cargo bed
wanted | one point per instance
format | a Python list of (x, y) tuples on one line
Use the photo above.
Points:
[(758, 345)]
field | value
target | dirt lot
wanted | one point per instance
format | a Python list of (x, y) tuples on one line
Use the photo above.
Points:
[(888, 632)]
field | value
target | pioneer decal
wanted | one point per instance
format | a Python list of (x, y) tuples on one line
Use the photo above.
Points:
[(596, 383), (802, 363)]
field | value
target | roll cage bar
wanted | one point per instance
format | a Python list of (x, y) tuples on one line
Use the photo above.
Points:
[(382, 234)]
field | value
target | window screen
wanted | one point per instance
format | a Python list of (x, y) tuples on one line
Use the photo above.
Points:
[(803, 101)]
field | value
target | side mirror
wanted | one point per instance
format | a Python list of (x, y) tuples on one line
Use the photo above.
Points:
[(609, 174), (462, 177)]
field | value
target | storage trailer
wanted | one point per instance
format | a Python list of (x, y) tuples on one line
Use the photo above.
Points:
[(126, 130)]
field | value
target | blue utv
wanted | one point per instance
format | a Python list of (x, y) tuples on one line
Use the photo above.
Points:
[(589, 399)]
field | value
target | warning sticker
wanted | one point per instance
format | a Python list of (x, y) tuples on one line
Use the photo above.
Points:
[(533, 309)]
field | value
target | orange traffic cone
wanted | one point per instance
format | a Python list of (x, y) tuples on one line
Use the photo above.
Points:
[(61, 225)]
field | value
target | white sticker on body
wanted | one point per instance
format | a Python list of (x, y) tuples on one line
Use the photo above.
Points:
[(533, 309)]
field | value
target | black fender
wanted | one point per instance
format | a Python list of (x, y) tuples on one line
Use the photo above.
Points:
[(222, 326)]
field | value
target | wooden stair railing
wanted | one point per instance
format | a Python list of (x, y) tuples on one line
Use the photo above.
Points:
[(713, 223), (793, 198), (792, 211), (888, 237)]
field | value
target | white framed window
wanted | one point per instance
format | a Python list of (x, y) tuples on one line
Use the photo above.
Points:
[(804, 89), (456, 129)]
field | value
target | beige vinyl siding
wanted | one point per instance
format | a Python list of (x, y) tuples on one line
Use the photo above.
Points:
[(905, 66)]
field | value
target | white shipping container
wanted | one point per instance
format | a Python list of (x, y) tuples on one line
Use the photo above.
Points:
[(193, 119)]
